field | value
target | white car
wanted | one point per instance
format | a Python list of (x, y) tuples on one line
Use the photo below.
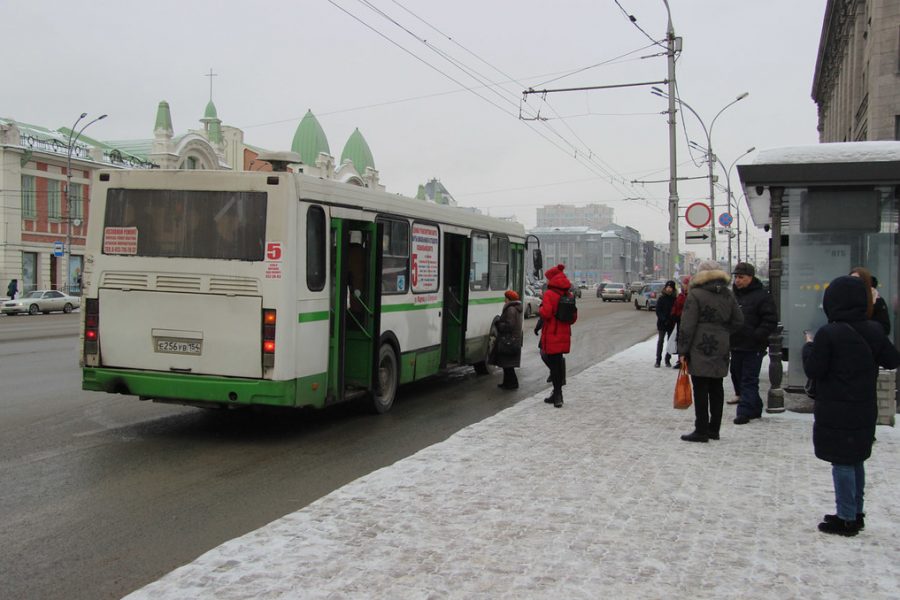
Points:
[(40, 301), (531, 302)]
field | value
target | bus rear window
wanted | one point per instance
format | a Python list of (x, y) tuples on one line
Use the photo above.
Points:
[(186, 224)]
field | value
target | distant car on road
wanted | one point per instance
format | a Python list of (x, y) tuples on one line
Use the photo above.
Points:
[(649, 293), (615, 291), (41, 301), (635, 287)]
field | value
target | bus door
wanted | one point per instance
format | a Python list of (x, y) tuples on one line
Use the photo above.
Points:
[(355, 308), (456, 298)]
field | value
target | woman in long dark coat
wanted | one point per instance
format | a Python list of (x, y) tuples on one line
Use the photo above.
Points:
[(710, 316), (843, 360), (508, 350)]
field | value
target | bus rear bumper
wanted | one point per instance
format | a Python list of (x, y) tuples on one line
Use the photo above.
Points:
[(191, 389)]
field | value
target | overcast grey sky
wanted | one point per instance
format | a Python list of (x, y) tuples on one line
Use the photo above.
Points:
[(275, 60)]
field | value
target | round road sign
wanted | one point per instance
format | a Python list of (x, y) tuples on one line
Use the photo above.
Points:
[(725, 219), (698, 215)]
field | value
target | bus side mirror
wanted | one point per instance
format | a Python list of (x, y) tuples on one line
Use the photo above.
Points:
[(537, 261)]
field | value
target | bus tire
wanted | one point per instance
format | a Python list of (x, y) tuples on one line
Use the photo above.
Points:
[(388, 380), (483, 367)]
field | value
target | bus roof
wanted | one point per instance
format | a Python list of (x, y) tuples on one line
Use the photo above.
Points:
[(325, 191)]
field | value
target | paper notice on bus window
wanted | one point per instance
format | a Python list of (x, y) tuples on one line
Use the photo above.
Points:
[(120, 240), (424, 258)]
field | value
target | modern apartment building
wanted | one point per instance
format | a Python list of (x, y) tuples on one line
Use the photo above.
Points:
[(594, 216)]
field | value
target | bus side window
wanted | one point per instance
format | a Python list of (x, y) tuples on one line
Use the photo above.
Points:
[(499, 263), (315, 249), (394, 257), (480, 262)]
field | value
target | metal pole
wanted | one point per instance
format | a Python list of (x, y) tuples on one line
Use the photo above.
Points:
[(738, 208), (673, 167), (72, 142), (68, 203)]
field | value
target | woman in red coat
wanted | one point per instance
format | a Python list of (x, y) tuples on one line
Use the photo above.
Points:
[(556, 336)]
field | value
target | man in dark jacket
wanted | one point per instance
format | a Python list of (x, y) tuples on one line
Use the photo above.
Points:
[(748, 345), (843, 360), (665, 323)]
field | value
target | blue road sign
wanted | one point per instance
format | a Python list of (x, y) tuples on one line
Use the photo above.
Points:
[(58, 248), (725, 219)]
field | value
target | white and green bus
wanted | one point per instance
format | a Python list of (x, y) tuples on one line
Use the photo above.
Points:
[(230, 289)]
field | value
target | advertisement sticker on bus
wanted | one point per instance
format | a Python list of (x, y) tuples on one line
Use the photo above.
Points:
[(424, 255), (273, 260), (120, 240)]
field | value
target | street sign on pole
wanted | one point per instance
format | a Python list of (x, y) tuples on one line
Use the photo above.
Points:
[(58, 249), (698, 215), (698, 236), (725, 219)]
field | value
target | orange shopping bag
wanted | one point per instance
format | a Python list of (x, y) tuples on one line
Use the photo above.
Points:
[(684, 396)]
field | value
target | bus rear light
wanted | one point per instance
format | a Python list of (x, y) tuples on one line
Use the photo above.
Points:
[(91, 326), (269, 320)]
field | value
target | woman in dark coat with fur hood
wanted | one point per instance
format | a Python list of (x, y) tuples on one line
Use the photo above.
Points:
[(508, 352), (843, 360), (710, 316)]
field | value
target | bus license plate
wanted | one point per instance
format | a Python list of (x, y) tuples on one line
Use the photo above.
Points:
[(174, 346)]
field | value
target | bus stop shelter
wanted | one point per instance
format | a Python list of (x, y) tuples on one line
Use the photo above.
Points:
[(829, 208)]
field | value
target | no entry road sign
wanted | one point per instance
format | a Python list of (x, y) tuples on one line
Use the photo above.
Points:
[(698, 215)]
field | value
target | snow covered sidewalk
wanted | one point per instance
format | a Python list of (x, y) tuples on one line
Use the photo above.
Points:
[(599, 499)]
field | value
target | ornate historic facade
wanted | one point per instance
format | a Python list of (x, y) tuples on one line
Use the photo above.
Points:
[(857, 79), (41, 221)]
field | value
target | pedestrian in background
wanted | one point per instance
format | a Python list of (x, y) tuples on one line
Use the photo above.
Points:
[(843, 360), (678, 309), (880, 312), (711, 315), (664, 323), (508, 348), (12, 289), (556, 335), (748, 344)]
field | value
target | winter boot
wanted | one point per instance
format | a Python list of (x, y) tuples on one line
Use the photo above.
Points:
[(839, 527), (550, 399), (695, 436), (860, 520), (557, 399), (668, 359)]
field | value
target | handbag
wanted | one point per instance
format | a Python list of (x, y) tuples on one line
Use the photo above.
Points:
[(684, 395), (508, 344)]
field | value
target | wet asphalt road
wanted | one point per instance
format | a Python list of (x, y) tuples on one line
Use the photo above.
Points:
[(101, 494)]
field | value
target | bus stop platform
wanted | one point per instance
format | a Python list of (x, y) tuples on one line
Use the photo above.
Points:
[(598, 499)]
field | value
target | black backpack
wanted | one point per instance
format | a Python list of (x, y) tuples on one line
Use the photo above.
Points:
[(566, 311)]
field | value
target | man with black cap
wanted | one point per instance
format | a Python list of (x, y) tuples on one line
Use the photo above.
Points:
[(748, 344)]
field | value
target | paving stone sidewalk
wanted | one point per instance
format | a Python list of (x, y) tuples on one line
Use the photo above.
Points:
[(599, 499)]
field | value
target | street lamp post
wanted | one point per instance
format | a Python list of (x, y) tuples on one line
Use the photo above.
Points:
[(710, 157), (728, 182), (673, 46), (73, 139)]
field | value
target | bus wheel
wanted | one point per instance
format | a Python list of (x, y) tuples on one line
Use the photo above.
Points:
[(388, 380)]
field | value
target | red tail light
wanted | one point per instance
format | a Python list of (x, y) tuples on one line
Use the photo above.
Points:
[(91, 326), (269, 320)]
